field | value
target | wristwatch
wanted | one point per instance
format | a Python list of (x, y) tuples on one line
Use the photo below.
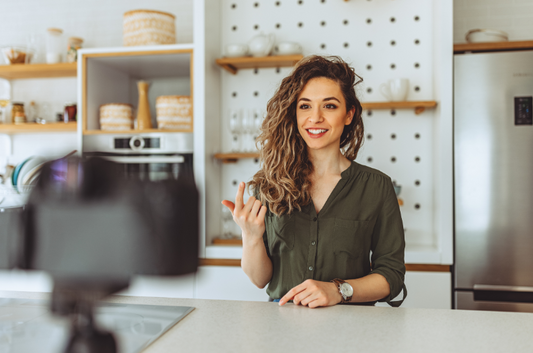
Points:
[(345, 290)]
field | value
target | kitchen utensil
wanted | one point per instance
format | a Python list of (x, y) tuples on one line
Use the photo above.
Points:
[(395, 90), (144, 118), (236, 50), (54, 45), (261, 44), (148, 27), (116, 116), (289, 48), (29, 166), (16, 172), (16, 54), (486, 35)]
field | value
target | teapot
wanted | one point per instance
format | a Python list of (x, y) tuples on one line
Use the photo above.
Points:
[(261, 44)]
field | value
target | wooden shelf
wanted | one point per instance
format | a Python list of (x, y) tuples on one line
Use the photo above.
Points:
[(117, 132), (229, 242), (37, 128), (418, 106), (248, 62), (16, 71), (233, 157), (492, 46)]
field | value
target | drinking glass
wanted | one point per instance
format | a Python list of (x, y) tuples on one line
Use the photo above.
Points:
[(248, 130), (258, 123), (5, 98), (235, 129)]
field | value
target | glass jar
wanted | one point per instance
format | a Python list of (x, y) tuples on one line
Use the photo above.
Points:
[(54, 47), (74, 44), (17, 113)]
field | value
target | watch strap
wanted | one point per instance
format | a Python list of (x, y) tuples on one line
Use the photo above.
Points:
[(338, 282)]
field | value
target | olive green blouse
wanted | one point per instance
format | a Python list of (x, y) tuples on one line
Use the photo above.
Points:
[(358, 231)]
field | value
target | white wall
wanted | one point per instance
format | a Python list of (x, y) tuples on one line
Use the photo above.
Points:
[(512, 16)]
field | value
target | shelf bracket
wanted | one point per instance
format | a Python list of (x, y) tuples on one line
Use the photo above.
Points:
[(232, 69), (419, 110)]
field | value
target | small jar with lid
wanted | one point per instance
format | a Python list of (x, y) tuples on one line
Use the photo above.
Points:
[(54, 46), (17, 113), (71, 110), (74, 44)]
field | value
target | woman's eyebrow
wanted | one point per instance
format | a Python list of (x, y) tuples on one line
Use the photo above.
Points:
[(324, 100)]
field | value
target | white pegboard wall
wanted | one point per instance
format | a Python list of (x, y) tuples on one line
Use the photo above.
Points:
[(382, 40)]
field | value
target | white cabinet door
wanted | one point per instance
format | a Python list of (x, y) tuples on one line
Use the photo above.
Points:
[(226, 283), (428, 290)]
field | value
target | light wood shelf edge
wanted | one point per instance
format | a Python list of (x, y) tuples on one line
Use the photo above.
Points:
[(234, 157), (232, 65), (18, 71), (37, 128), (118, 132), (419, 106), (492, 46)]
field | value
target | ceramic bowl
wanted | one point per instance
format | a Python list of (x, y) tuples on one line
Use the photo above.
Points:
[(289, 48), (236, 50), (486, 35)]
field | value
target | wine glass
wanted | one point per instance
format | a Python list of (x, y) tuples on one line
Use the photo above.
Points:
[(258, 123), (235, 129), (248, 130)]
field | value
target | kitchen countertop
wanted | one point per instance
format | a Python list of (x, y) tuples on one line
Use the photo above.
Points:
[(238, 326)]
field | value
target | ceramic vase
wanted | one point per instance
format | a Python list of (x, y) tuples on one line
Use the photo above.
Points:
[(144, 120)]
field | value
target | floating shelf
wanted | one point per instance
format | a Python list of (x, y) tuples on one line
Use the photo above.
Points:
[(247, 62), (37, 128), (17, 71), (233, 157), (418, 106), (492, 46), (117, 132), (229, 242)]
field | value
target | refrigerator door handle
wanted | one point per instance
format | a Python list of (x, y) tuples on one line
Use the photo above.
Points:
[(497, 293)]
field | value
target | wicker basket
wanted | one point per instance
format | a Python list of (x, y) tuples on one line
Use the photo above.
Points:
[(148, 27), (174, 112), (116, 117)]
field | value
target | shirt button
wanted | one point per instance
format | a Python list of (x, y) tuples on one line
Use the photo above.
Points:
[(313, 243), (310, 268), (314, 219)]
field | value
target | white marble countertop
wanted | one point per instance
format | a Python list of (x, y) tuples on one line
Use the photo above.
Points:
[(237, 326)]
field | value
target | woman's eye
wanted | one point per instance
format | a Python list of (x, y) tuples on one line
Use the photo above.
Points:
[(304, 106), (331, 106)]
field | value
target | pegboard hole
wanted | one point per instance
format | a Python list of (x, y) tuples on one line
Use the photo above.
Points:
[(393, 112), (417, 41), (392, 19), (256, 27), (393, 159), (256, 4), (417, 89), (234, 94), (417, 18), (369, 90), (392, 42), (369, 113), (417, 159), (323, 23), (256, 71), (300, 24), (417, 206), (393, 66), (393, 136), (256, 94), (323, 1), (278, 3), (417, 182), (233, 6), (345, 22), (322, 46), (417, 65), (417, 136), (346, 45), (234, 28), (369, 67), (235, 138), (278, 26), (278, 70), (300, 2), (234, 182), (369, 159), (369, 136), (369, 20), (256, 160), (368, 44)]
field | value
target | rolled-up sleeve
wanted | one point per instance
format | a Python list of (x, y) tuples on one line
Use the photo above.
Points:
[(388, 244)]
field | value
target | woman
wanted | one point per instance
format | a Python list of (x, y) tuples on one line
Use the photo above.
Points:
[(321, 213)]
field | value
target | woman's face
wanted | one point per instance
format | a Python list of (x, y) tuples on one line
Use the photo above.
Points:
[(321, 114)]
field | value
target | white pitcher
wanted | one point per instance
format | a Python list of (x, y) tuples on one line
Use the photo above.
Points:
[(261, 44), (395, 90)]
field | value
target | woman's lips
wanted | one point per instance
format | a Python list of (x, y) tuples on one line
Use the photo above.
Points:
[(316, 133)]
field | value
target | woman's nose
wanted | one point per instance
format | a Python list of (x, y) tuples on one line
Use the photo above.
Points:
[(316, 116)]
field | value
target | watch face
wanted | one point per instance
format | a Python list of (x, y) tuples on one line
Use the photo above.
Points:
[(346, 290)]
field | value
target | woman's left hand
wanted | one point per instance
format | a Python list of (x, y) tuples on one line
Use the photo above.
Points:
[(313, 294)]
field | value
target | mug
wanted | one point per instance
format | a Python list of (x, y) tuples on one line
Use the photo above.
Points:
[(289, 48), (395, 90), (236, 50)]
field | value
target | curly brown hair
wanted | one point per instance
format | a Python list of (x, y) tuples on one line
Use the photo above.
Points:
[(283, 181)]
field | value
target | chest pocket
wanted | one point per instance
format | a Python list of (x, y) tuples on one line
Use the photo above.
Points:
[(280, 233), (352, 238)]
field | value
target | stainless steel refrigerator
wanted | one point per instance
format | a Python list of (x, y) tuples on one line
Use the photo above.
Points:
[(493, 186)]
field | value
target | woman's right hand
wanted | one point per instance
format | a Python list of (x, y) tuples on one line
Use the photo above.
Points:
[(250, 217)]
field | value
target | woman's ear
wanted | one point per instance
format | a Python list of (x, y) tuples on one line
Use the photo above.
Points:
[(349, 116)]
